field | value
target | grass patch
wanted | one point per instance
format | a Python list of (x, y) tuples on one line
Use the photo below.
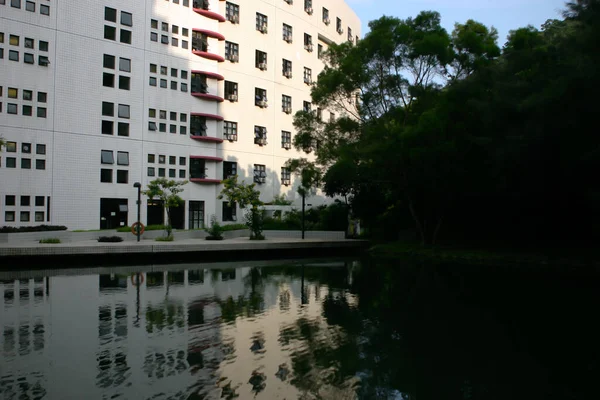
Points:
[(110, 239), (165, 238), (50, 241), (148, 228)]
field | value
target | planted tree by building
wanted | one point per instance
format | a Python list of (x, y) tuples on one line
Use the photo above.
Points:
[(248, 199), (167, 191)]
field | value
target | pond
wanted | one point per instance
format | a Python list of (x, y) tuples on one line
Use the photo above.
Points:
[(330, 329)]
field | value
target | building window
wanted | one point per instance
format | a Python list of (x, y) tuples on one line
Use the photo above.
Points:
[(286, 66), (198, 125), (107, 157), (151, 158), (338, 26), (123, 111), (123, 129), (308, 7), (106, 175), (285, 176), (126, 18), (262, 23), (11, 147), (110, 32), (108, 80), (29, 43), (287, 33), (30, 6), (43, 61), (39, 201), (125, 36), (229, 169), (42, 112), (11, 162), (182, 174), (260, 135), (307, 76), (9, 216), (25, 163), (42, 45), (40, 149), (108, 109), (260, 61), (42, 96), (110, 14), (350, 37), (232, 51), (39, 216), (229, 211), (14, 40), (151, 171), (25, 201), (232, 13), (230, 131), (154, 36), (197, 168), (231, 91), (122, 176), (124, 82), (286, 140), (40, 164), (13, 55), (286, 104), (10, 200), (125, 64), (306, 106), (325, 16), (26, 148), (161, 172), (109, 61), (308, 46), (107, 127), (260, 97), (27, 110), (44, 9), (260, 173), (12, 108), (122, 158), (24, 216), (15, 3), (319, 114), (331, 117), (172, 172), (152, 81)]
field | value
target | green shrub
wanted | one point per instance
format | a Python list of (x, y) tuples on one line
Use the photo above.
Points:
[(124, 229), (255, 219), (215, 231), (233, 227), (110, 239), (165, 238), (50, 240), (39, 228)]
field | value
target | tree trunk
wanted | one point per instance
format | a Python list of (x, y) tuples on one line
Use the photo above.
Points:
[(169, 228)]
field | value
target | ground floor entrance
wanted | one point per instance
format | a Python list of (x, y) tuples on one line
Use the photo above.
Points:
[(113, 213), (196, 214)]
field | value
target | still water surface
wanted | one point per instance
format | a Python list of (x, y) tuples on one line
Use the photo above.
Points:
[(329, 330)]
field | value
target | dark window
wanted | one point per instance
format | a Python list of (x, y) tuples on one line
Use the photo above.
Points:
[(24, 216), (107, 157), (28, 58), (108, 80), (110, 14), (42, 96), (125, 36), (151, 171), (39, 201), (106, 175), (108, 109), (26, 148), (182, 173), (125, 64), (13, 55), (109, 61), (40, 149), (110, 32), (108, 127), (44, 10), (43, 61), (172, 173), (41, 112), (124, 82), (229, 169), (229, 211), (123, 111), (123, 129), (27, 110), (43, 46), (9, 216), (26, 163), (9, 200), (40, 164), (15, 3), (30, 6), (25, 201), (182, 161), (11, 162), (260, 173), (122, 176)]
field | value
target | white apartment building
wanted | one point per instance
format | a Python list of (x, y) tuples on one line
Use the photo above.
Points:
[(95, 96)]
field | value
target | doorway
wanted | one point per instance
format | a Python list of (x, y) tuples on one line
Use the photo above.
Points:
[(196, 216), (113, 213), (178, 216), (155, 213)]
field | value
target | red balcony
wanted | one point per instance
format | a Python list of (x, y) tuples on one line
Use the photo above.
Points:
[(207, 138), (212, 75), (207, 96), (210, 34), (207, 116), (209, 14), (208, 56), (205, 180)]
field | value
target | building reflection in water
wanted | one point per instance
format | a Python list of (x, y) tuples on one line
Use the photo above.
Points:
[(172, 334)]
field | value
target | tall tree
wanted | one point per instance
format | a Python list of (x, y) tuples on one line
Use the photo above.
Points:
[(167, 191)]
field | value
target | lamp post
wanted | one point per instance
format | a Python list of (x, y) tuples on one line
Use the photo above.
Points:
[(139, 204)]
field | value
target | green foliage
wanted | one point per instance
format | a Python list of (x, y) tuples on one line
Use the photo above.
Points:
[(168, 192), (165, 238), (50, 241), (281, 200), (248, 198), (39, 228), (110, 239), (233, 227), (215, 231)]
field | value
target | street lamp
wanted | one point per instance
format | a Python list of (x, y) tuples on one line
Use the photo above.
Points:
[(139, 204)]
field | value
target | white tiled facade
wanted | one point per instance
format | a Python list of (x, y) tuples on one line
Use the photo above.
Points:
[(51, 171)]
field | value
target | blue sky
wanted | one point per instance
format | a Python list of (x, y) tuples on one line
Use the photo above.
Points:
[(504, 15)]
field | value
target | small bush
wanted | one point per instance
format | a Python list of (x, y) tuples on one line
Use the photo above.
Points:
[(215, 231), (50, 240), (165, 238), (39, 228), (233, 227), (110, 239)]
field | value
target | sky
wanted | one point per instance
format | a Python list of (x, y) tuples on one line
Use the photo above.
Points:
[(504, 15)]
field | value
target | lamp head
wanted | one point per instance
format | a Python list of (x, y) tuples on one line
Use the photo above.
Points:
[(137, 185)]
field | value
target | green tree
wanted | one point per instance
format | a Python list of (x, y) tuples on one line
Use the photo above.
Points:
[(167, 191), (310, 178), (247, 197)]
